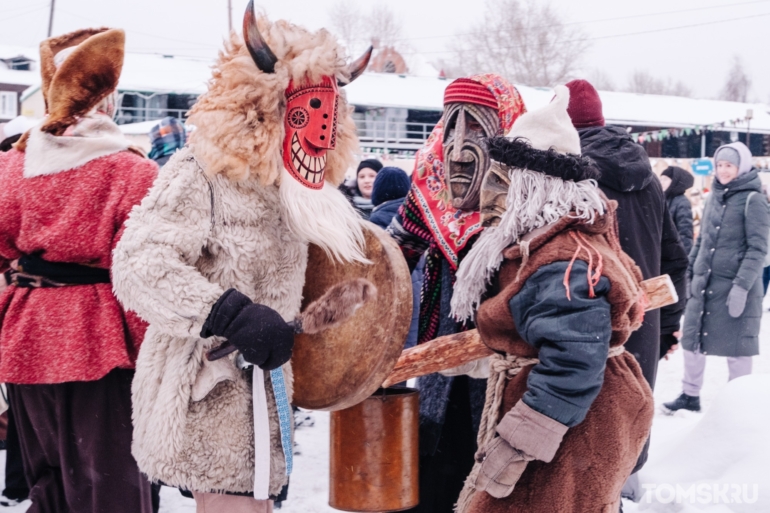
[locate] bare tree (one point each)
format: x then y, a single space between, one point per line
738 84
357 30
346 21
601 80
644 82
385 26
526 41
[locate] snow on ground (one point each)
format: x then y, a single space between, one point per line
724 446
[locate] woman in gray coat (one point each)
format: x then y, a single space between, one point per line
725 308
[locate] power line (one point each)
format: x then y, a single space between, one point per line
602 20
39 8
202 45
653 31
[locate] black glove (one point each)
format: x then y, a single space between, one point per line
666 343
258 331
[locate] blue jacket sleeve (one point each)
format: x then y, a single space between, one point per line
573 337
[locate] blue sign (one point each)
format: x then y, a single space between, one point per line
702 167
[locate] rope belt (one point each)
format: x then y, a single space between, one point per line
501 369
31 271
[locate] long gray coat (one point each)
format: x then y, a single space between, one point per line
730 249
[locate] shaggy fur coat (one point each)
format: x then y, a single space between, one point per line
597 455
193 237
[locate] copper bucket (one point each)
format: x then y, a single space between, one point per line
374 454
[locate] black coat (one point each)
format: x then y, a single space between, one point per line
646 234
678 205
730 250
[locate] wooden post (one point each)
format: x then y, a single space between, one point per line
451 351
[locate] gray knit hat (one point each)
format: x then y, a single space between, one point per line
728 155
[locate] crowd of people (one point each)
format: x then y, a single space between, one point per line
121 272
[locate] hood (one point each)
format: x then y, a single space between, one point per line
681 180
624 165
743 152
748 182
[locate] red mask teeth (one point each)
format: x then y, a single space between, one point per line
311 130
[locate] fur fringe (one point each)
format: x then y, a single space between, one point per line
337 305
324 218
518 153
534 200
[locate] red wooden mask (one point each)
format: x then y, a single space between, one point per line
311 130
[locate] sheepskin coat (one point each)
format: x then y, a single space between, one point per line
597 455
193 237
68 211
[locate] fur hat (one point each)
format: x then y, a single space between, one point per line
544 140
85 77
585 106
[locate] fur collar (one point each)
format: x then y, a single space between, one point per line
539 237
93 137
519 154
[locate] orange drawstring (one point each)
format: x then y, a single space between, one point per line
593 275
593 280
571 262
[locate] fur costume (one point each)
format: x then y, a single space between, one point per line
225 214
567 410
429 224
67 346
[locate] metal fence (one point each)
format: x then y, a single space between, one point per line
128 115
392 136
379 135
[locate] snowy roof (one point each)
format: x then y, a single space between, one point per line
11 51
141 72
164 74
159 74
625 109
24 78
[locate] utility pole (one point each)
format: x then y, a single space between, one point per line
50 19
230 15
749 116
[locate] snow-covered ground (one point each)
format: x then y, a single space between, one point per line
720 455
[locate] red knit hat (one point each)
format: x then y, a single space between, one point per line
585 106
465 90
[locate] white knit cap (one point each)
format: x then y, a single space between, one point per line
549 127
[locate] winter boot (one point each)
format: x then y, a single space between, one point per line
683 402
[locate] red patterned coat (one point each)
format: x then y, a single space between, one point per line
75 333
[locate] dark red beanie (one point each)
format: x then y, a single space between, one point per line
585 106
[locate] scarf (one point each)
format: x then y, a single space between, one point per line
452 228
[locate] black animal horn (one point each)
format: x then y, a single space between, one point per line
263 56
357 67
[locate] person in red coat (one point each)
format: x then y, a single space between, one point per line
67 347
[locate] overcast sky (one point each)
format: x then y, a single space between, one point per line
689 40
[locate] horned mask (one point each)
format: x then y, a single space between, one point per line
311 109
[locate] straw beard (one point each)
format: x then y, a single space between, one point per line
323 217
534 200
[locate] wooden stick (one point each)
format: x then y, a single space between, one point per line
452 351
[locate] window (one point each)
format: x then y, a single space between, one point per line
9 104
